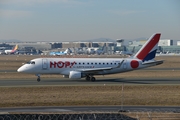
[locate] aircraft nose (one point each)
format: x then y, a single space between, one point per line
20 69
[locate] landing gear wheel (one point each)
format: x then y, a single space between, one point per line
87 78
38 79
93 79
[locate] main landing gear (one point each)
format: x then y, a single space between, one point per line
90 78
38 78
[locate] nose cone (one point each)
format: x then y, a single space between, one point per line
20 69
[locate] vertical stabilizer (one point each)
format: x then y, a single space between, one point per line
16 47
148 50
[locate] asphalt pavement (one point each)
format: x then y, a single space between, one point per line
83 82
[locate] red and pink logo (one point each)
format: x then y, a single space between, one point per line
134 64
61 64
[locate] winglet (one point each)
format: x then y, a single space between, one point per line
148 50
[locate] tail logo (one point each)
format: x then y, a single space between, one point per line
148 51
134 64
15 48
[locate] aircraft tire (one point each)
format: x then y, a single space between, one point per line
38 79
93 79
87 78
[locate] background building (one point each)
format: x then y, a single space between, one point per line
165 42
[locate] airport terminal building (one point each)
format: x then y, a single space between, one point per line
165 45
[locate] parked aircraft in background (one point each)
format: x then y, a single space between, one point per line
91 51
14 50
126 52
60 53
101 51
2 50
77 68
80 51
95 50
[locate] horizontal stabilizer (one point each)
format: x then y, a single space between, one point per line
153 62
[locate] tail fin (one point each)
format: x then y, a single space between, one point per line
15 48
67 50
148 50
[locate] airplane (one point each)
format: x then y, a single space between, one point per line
101 51
60 53
77 68
97 51
80 50
126 52
14 50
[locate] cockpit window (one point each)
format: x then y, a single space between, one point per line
31 62
28 62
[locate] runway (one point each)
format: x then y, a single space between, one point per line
82 82
116 108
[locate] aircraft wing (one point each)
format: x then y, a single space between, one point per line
91 70
94 69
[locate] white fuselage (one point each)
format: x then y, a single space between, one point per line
8 51
65 65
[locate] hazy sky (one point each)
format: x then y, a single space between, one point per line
61 20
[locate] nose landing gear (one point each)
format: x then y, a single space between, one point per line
38 78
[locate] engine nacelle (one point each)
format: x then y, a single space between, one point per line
75 75
65 76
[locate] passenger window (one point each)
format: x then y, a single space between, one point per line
31 62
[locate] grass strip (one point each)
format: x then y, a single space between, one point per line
90 95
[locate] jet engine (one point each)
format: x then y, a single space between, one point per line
75 75
65 76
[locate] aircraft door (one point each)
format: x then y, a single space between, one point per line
125 64
44 64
